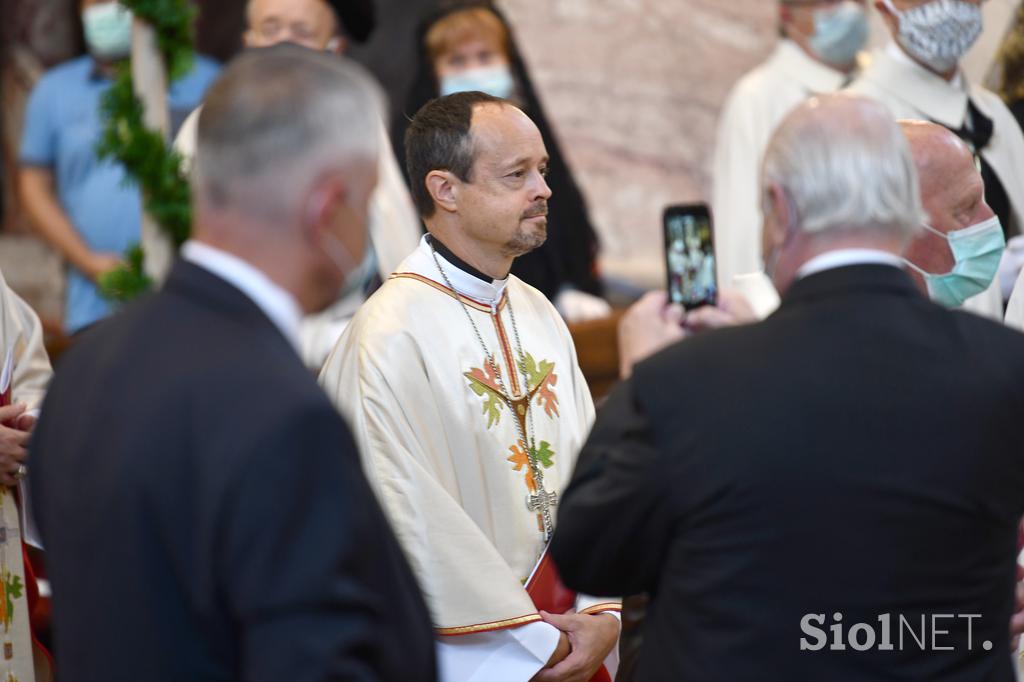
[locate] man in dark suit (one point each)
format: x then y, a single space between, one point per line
830 494
203 506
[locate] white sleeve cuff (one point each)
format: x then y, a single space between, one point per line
510 655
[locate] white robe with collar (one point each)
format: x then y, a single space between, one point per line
910 91
754 109
441 449
22 334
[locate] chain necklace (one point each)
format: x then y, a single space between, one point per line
543 500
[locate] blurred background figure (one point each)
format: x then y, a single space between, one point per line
468 45
79 204
821 41
919 75
394 226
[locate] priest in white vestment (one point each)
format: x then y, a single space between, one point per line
25 372
816 55
21 337
462 386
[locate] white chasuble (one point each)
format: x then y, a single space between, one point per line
439 409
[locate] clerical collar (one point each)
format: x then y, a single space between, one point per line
449 256
478 287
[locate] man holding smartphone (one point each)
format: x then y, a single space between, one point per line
812 454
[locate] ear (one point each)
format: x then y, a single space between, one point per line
891 20
322 205
785 13
337 45
442 188
778 216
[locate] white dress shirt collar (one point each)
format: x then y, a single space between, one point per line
842 258
277 304
815 77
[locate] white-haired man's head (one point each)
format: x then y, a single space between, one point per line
286 161
838 173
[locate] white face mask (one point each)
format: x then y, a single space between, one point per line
108 30
939 33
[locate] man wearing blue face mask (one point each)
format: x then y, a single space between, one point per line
80 204
956 257
818 54
918 76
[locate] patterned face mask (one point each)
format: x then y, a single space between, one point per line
938 33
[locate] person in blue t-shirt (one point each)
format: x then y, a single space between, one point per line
81 205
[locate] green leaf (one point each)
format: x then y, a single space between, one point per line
148 160
128 281
544 454
14 587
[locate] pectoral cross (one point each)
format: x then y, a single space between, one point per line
542 502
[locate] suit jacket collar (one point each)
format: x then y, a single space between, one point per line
851 279
201 286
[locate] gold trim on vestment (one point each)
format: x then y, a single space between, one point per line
604 607
488 627
472 303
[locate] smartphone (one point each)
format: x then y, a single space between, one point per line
690 255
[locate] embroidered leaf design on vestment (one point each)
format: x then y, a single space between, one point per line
545 455
521 462
484 382
542 380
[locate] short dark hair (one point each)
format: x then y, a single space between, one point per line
439 138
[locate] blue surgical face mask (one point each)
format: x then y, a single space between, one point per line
840 33
496 81
108 30
977 251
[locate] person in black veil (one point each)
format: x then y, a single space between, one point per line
468 45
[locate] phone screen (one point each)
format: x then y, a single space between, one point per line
690 256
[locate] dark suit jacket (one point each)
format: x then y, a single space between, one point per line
859 452
204 510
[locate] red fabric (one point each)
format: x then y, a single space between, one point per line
550 594
547 590
32 595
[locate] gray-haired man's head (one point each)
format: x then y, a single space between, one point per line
286 160
838 171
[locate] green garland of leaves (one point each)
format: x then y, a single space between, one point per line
147 158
